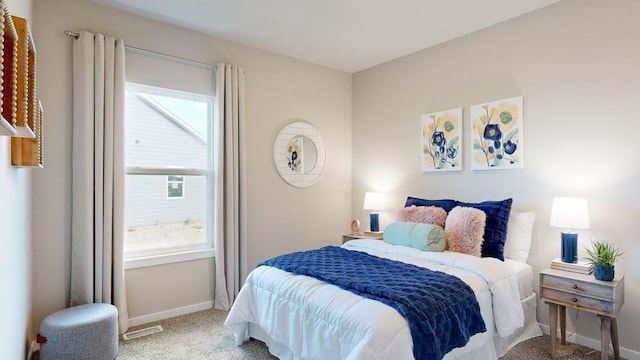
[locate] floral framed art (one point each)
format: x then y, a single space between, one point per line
496 135
295 155
441 139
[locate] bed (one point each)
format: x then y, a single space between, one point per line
301 317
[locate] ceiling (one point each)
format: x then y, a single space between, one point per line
347 35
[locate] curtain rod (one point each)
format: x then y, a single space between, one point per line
156 54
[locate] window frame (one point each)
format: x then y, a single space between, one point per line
180 182
142 258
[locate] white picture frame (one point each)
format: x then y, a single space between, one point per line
441 145
496 135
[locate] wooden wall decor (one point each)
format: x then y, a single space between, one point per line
25 50
21 114
39 133
27 144
8 73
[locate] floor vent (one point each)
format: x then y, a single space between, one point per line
142 332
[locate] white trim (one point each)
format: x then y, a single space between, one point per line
145 319
594 344
32 349
154 260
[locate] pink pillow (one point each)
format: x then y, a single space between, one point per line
464 230
423 214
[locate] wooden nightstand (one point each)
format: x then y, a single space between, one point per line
560 289
348 237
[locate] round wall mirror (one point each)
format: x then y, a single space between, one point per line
300 154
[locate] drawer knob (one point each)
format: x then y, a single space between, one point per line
574 286
574 300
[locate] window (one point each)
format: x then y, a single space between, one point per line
175 187
168 142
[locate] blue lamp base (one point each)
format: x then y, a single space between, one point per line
373 222
569 247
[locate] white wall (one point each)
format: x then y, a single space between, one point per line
576 64
15 239
278 90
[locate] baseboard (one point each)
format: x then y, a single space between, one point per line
594 344
32 349
145 319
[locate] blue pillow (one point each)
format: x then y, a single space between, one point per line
424 237
495 231
446 204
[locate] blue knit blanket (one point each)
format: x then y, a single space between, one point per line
442 310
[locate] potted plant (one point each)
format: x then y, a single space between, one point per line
603 254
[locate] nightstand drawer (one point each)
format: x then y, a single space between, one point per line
577 287
579 301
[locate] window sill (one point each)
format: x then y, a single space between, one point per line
156 260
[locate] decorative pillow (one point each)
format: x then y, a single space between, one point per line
519 235
425 237
446 204
495 232
423 214
464 229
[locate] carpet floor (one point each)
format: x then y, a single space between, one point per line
203 336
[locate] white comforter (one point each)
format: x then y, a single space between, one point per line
300 317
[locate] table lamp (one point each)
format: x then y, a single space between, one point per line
374 202
569 213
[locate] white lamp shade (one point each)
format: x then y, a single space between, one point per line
373 201
569 213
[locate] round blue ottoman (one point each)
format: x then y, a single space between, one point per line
80 332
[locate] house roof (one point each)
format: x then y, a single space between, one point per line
187 119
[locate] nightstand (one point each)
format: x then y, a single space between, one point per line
348 237
560 289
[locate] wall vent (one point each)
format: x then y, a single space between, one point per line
142 332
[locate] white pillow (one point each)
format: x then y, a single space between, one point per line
518 242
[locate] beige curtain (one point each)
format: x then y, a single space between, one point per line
97 220
231 230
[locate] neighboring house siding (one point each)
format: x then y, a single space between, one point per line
150 132
155 134
147 202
